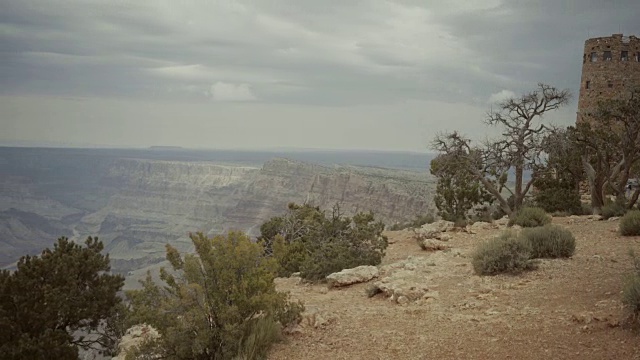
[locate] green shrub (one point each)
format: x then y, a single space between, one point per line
289 256
630 223
531 217
585 209
334 256
614 209
558 197
631 297
631 291
308 241
219 303
550 241
506 253
256 343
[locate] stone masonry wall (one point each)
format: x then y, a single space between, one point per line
610 67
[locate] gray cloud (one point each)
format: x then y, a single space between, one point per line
308 53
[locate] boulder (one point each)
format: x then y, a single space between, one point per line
438 226
434 230
356 275
481 225
401 289
433 245
427 234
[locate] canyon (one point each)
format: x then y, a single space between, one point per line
136 201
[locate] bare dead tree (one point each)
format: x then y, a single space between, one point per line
519 148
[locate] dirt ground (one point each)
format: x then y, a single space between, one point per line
566 309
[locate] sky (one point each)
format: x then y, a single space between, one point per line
257 74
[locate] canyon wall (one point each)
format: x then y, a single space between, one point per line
136 206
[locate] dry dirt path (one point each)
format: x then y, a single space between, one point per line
567 309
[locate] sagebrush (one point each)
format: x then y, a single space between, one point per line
531 217
550 241
631 292
614 209
506 253
630 223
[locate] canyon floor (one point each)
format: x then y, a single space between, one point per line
566 309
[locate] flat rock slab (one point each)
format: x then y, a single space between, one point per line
356 275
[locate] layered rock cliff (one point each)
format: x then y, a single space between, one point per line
136 206
394 195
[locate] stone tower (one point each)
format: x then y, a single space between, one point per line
610 67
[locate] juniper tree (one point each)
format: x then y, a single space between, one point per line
518 149
51 298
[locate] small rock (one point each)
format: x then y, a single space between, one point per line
583 318
431 295
402 300
613 323
293 330
613 218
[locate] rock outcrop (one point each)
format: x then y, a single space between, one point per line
432 237
415 278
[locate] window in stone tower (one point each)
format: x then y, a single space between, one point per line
624 56
594 57
607 56
610 84
587 84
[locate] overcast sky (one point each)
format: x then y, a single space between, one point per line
346 74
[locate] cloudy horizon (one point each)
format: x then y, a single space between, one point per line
370 74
